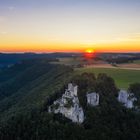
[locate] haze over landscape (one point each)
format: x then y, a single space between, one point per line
69 25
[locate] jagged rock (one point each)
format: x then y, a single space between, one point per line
93 99
73 89
126 98
68 105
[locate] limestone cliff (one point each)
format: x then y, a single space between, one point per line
69 105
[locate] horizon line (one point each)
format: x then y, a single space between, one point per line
35 52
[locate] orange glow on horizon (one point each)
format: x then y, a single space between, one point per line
15 43
70 47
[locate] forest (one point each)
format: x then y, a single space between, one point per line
28 88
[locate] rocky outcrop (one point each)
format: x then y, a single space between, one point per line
126 98
93 99
69 105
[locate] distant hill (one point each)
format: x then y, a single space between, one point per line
8 59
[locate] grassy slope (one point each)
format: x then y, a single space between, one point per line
33 94
122 77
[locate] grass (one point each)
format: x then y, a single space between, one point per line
123 77
136 62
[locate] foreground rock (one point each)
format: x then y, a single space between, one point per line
69 105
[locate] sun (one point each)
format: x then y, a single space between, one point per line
89 51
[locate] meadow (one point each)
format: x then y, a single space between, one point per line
136 62
123 77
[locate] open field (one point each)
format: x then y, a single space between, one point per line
123 74
98 64
129 66
137 62
122 77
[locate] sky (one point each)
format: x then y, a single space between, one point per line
69 25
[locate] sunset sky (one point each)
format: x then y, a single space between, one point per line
69 25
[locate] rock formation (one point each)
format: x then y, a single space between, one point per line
126 98
69 105
93 99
